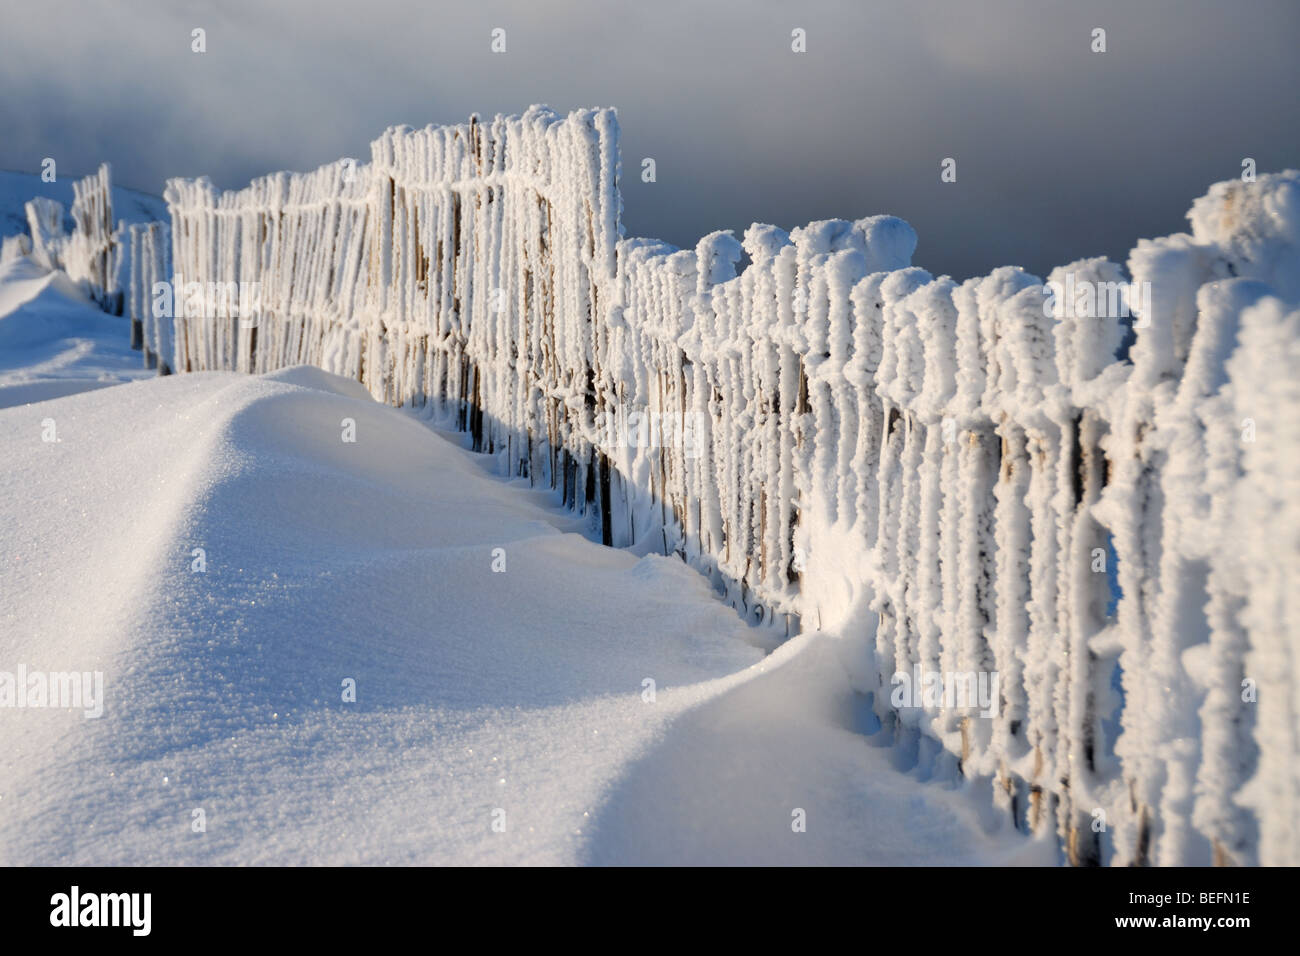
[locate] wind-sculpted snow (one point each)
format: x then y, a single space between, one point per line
1083 487
54 340
522 695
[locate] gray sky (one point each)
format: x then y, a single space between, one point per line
1061 152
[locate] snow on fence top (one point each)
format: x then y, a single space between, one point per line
1082 488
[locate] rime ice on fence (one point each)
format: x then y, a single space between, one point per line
91 253
151 320
15 247
45 223
1265 394
834 436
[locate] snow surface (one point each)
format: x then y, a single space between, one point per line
476 690
54 341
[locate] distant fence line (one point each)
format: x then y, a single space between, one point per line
94 252
1101 511
91 253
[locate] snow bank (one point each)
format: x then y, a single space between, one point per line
522 695
323 561
54 340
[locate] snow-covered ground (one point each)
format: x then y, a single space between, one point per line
483 697
54 341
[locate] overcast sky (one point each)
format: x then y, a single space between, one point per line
1061 152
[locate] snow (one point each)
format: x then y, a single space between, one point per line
1089 496
54 341
476 690
741 760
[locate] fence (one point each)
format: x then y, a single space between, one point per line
151 329
45 222
94 253
972 478
91 253
15 247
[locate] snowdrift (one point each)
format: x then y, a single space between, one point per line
230 565
54 341
213 548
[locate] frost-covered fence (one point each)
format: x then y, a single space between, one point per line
976 480
45 223
463 265
151 328
15 247
1021 500
740 361
91 254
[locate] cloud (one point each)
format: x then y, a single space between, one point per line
1061 152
